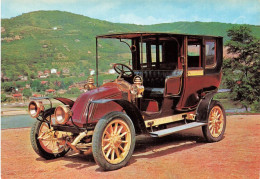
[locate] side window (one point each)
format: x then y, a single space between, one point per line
144 62
210 54
153 53
194 56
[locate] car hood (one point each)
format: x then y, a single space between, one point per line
79 109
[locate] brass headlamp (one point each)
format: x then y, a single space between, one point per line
137 87
62 114
35 108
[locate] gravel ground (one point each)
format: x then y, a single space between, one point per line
181 155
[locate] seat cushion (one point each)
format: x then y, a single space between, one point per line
154 78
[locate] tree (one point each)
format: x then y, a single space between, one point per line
27 93
242 71
36 85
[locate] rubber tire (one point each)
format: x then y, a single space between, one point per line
37 146
205 129
97 141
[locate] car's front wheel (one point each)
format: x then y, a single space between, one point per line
113 141
45 142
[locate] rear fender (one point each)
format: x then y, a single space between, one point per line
202 111
131 110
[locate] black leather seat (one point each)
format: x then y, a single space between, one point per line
154 81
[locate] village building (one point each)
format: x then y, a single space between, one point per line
36 95
18 96
79 85
27 86
53 71
44 82
61 91
66 71
23 78
47 72
50 91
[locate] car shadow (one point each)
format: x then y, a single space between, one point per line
73 160
146 147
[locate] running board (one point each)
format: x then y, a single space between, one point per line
169 131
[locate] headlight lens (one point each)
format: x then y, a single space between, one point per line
62 114
34 108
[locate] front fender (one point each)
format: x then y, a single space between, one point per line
131 110
203 107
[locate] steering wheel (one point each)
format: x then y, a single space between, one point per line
123 70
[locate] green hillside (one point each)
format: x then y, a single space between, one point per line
54 39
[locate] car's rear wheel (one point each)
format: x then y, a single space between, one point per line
113 141
45 142
215 129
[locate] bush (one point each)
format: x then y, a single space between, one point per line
27 93
3 98
74 91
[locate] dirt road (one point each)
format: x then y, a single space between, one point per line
181 155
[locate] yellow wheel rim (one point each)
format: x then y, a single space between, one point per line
216 121
49 140
116 141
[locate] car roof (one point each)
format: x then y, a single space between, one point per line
133 35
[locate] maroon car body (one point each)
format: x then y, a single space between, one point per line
169 88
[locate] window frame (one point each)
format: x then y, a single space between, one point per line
215 54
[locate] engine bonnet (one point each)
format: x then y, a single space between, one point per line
80 106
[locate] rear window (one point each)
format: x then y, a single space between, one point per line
210 54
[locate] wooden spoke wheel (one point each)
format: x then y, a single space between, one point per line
215 129
216 121
113 141
49 139
45 142
116 141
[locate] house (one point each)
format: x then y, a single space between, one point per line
91 71
111 71
47 72
18 96
81 74
36 95
43 76
50 91
61 91
44 82
57 83
80 85
27 86
2 29
53 71
40 73
4 78
65 71
23 78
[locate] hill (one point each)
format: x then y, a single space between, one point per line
53 39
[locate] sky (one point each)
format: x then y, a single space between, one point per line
145 12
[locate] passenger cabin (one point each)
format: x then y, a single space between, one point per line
177 69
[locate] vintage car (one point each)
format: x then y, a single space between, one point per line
168 88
